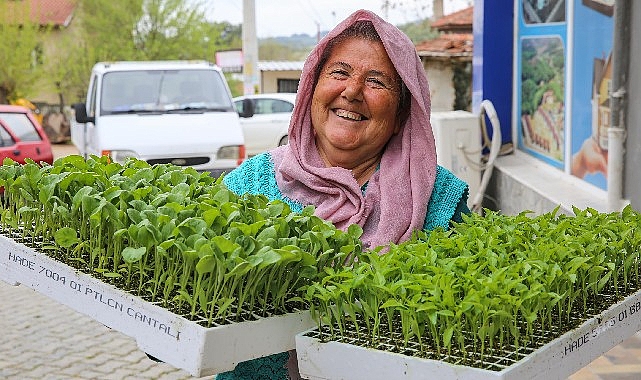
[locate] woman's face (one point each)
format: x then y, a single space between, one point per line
354 105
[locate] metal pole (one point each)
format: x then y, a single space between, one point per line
616 132
250 49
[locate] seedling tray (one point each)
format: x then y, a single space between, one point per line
558 359
160 333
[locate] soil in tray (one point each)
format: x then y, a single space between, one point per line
494 358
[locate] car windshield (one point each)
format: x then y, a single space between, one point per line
163 91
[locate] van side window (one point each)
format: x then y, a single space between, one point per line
92 97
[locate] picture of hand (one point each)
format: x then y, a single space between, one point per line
591 158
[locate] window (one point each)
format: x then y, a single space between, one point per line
159 90
21 126
287 85
267 106
5 138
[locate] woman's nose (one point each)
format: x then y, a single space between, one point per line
353 90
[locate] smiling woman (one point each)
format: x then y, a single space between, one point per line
361 150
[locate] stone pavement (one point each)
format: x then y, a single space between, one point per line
42 339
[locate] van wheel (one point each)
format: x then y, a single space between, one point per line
283 141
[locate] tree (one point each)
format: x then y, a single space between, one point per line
20 51
271 49
113 30
419 31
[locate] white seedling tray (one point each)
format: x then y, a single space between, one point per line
168 337
558 359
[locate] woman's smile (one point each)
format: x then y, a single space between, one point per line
349 115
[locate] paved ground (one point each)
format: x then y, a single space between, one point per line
42 339
61 150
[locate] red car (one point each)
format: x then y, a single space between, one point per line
21 136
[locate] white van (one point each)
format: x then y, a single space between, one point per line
177 112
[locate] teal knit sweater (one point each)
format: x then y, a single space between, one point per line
448 201
257 176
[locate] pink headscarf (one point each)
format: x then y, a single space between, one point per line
397 195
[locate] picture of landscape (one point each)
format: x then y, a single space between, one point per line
542 96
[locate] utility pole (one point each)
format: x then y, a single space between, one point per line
250 49
437 9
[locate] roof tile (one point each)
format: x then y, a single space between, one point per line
448 43
455 21
44 12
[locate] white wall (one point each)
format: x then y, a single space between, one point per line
439 76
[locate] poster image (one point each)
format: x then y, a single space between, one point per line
541 57
604 6
591 87
542 96
563 76
543 11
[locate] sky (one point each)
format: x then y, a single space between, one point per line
278 18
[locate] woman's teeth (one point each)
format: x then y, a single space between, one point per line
349 115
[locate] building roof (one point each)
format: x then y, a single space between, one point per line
457 22
57 13
280 65
447 45
455 41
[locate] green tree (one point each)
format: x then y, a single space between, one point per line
419 31
224 36
20 51
114 30
69 70
270 49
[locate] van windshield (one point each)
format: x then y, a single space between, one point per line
163 91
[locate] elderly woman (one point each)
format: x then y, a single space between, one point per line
361 149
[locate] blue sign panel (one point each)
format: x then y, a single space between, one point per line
562 86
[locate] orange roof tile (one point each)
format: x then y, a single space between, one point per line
451 44
44 12
461 20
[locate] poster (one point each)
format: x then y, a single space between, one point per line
592 75
564 69
542 76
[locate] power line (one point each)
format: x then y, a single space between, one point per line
318 19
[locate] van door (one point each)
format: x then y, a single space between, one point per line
81 132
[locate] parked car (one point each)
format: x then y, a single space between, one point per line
161 112
22 137
265 125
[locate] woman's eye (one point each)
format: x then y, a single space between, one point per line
376 82
338 73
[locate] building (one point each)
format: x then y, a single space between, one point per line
279 76
56 16
447 60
